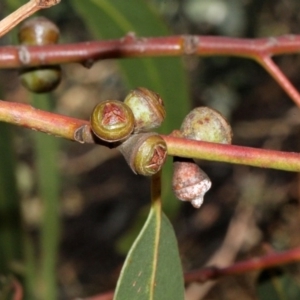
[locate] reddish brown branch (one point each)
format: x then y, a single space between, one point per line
131 46
24 12
233 154
18 290
106 296
281 79
29 117
79 130
211 273
255 264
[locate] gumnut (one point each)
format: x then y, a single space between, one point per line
190 182
112 121
147 107
39 31
145 153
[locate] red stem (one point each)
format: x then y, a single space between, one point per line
29 117
211 273
79 130
281 79
131 46
233 154
255 264
106 296
18 290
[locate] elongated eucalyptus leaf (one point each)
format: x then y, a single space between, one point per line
114 19
10 217
276 285
47 148
152 269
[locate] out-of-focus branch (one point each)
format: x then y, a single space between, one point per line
269 65
18 290
24 12
211 273
254 264
131 46
260 50
79 130
238 229
106 296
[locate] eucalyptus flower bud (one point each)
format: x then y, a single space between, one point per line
145 153
206 124
39 31
190 182
147 107
112 121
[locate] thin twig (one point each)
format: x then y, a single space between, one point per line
151 47
254 264
281 79
242 267
260 50
105 296
24 12
79 130
18 290
288 161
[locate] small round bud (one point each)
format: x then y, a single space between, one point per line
41 80
189 183
38 31
147 107
206 124
145 153
112 121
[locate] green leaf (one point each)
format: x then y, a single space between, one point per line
12 5
11 249
152 269
276 285
166 76
10 216
47 148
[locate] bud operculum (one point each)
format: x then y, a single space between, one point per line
145 153
206 124
38 31
112 121
147 107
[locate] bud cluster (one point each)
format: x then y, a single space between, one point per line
127 124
